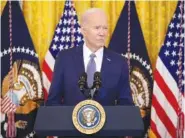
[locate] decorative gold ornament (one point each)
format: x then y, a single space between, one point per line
88 117
27 88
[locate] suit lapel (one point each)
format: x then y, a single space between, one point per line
78 59
105 64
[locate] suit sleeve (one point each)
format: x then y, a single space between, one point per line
56 91
124 92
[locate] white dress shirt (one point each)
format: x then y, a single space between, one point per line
98 59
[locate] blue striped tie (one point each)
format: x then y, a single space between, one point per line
91 69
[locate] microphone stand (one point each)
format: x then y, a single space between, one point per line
90 93
96 85
87 93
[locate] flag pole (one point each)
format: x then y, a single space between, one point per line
128 45
180 126
128 39
72 25
11 129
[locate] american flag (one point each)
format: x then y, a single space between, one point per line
7 106
167 115
67 35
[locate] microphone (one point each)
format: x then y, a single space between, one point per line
97 80
82 83
96 85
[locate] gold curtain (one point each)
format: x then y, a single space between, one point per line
43 16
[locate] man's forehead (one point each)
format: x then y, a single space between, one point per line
93 14
94 11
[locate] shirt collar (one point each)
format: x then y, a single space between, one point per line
88 52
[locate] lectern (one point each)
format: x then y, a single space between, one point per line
120 121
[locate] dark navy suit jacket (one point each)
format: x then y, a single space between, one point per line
69 67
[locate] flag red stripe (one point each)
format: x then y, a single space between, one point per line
9 109
45 94
154 129
5 107
5 104
6 100
166 91
163 117
47 71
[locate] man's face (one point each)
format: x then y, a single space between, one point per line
95 30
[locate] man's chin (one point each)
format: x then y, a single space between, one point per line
100 45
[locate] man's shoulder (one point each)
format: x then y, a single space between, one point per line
67 52
115 56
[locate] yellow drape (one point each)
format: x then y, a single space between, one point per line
43 16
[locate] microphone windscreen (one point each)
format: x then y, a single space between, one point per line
97 75
84 75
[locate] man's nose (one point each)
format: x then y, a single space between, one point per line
102 32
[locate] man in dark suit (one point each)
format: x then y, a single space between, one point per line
92 56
